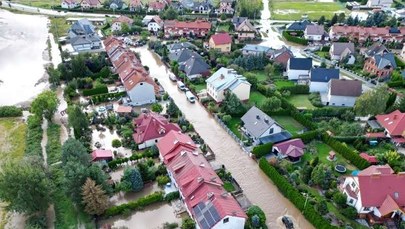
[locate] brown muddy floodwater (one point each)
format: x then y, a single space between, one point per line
257 187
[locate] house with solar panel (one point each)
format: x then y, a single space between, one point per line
83 37
200 188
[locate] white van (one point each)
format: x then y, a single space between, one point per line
172 77
190 97
181 85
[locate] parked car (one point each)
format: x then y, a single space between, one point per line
172 77
181 86
190 97
288 223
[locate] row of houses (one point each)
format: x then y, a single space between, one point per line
140 87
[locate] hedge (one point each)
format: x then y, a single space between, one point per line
330 112
138 204
307 137
107 97
172 196
134 157
295 196
296 89
34 136
349 139
346 152
297 40
95 91
10 111
261 150
398 83
54 146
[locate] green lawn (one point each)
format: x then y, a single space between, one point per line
223 27
283 83
321 54
300 101
233 125
199 87
288 123
12 138
295 9
59 27
260 75
39 3
228 186
256 98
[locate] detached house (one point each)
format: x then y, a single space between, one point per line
135 5
225 7
292 149
377 193
320 77
88 4
221 42
342 50
117 23
314 32
380 65
150 127
375 49
156 6
250 49
83 37
282 56
200 188
245 30
198 28
380 3
262 129
202 7
394 125
155 24
69 4
299 25
190 62
298 68
342 92
226 79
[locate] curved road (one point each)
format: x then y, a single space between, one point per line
257 187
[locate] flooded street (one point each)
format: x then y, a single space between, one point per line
22 44
258 188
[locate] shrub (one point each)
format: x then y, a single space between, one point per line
296 89
261 150
116 143
162 180
297 40
10 111
398 83
95 91
350 212
34 136
256 211
53 146
339 199
172 196
308 136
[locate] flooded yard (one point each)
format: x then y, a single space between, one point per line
122 197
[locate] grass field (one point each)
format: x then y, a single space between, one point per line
283 83
300 101
223 27
294 10
256 98
59 27
288 123
39 3
260 75
233 125
12 138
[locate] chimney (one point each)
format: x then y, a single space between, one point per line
222 77
395 117
210 195
200 179
257 117
202 165
266 120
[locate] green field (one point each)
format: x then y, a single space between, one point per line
295 9
260 75
283 83
256 98
223 28
12 138
300 101
233 125
39 3
288 123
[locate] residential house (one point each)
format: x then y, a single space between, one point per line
225 7
399 14
101 155
261 128
221 42
90 4
292 149
201 7
394 125
69 4
339 51
377 193
236 21
150 127
178 46
182 55
245 30
314 32
147 19
190 63
198 28
200 188
342 92
118 22
379 3
298 68
156 6
369 158
83 37
320 77
299 25
250 49
362 34
227 80
282 56
135 5
117 4
155 24
375 49
380 65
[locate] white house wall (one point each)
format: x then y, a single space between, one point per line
341 101
294 74
242 91
276 129
318 87
143 93
148 143
233 223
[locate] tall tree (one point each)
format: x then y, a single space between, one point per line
79 68
73 150
78 120
45 105
271 104
372 102
24 186
232 105
94 198
321 20
131 180
401 105
333 20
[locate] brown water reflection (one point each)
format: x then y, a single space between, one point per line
258 188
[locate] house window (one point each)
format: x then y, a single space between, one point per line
271 130
353 185
366 209
351 201
226 220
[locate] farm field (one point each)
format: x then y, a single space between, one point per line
293 10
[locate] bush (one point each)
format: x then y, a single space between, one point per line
291 193
138 204
398 83
256 211
296 89
53 146
350 212
95 91
172 196
116 143
10 111
34 136
107 97
261 150
162 180
308 136
297 40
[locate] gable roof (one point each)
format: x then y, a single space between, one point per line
343 87
226 78
100 154
299 25
385 60
376 48
323 74
315 30
221 39
172 140
236 21
339 47
194 66
292 148
257 122
82 27
300 63
181 45
369 158
256 48
247 24
92 2
123 19
183 55
394 122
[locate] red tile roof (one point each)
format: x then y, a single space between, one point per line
369 158
394 122
123 19
100 154
221 39
198 24
376 182
388 206
157 5
150 126
124 109
292 148
173 143
376 135
92 2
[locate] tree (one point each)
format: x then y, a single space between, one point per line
271 104
256 211
169 14
340 199
73 150
372 102
306 173
401 105
392 158
341 18
116 143
321 207
131 180
172 109
350 212
24 186
232 105
226 118
156 107
252 79
78 120
45 105
125 28
187 223
54 75
94 198
321 20
322 176
78 66
333 20
351 129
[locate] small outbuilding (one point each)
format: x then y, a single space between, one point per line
101 155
